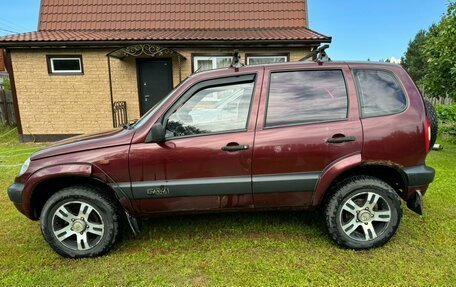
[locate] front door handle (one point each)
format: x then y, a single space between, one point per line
235 147
342 139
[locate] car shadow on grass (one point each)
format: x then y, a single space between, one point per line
263 226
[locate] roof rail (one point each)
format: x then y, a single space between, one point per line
318 55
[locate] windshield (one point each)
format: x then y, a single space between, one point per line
152 111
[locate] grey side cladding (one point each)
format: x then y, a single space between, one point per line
193 187
219 186
295 182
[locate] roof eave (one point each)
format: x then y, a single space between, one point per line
174 43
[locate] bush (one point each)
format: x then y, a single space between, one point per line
7 84
446 113
447 121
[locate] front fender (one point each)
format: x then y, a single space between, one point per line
331 172
51 172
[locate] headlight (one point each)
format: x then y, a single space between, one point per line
24 167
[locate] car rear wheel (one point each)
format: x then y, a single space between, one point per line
80 222
363 212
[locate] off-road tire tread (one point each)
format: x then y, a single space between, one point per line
433 117
338 193
86 192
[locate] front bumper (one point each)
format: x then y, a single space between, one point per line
15 195
15 192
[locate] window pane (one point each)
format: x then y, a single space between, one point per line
215 109
380 93
223 62
258 60
306 96
203 65
73 65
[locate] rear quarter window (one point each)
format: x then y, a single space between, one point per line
379 92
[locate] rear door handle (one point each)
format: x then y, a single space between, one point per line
336 140
233 148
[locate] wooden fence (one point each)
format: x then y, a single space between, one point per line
7 108
440 101
120 114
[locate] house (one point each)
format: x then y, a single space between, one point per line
94 64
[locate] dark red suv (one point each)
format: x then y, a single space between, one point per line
350 137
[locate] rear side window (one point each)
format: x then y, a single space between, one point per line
380 93
301 97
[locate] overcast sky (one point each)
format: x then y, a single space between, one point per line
360 29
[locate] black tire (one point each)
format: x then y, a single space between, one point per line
89 218
433 117
368 228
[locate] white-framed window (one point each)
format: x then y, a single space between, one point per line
202 63
266 59
65 64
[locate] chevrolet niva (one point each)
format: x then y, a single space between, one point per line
349 137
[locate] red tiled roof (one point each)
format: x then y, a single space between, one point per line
170 20
171 14
297 34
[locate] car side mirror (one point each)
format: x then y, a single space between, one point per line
158 133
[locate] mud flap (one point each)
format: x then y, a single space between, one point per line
133 222
415 203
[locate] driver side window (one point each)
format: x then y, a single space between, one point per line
213 109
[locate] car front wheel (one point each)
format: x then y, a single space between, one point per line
80 222
363 212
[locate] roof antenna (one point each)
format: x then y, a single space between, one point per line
236 62
318 55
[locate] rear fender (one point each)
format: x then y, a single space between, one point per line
331 172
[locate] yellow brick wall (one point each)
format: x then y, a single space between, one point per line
74 104
125 84
62 104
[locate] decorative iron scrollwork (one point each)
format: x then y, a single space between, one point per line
147 50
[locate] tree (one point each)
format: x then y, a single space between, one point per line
440 51
415 60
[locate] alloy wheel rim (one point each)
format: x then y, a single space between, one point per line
78 225
365 216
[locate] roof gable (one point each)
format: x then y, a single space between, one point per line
58 15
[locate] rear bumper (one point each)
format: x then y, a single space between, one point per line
418 179
419 175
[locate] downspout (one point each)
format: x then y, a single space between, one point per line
180 67
110 90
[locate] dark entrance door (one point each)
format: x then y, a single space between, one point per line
155 81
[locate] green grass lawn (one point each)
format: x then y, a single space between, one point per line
248 249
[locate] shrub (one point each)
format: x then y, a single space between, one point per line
7 84
446 113
447 121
